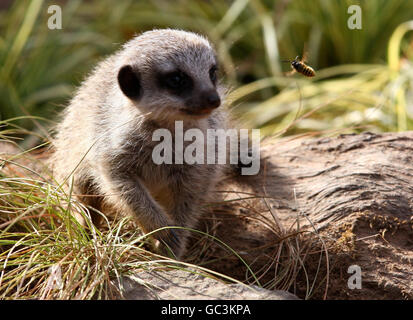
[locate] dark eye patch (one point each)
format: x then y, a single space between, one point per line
177 82
213 74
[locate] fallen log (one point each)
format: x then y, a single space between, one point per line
318 207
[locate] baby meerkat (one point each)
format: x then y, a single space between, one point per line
105 137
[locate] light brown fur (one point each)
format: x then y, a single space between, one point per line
107 136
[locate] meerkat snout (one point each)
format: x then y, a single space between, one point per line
202 103
204 100
212 100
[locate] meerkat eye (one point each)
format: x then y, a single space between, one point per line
213 74
175 80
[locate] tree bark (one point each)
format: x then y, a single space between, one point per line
332 203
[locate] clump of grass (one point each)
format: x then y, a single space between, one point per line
293 258
45 253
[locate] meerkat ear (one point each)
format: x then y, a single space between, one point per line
129 82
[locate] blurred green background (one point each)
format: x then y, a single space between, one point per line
364 77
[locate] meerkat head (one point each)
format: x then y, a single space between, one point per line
170 73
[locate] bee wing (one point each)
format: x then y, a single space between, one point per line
305 54
290 73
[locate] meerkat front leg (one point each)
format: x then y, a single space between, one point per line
189 205
126 191
186 213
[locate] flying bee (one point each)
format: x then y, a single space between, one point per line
300 67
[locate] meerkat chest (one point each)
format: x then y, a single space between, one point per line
167 159
166 182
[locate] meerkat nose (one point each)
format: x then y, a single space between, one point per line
212 100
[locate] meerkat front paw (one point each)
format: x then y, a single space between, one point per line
169 242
